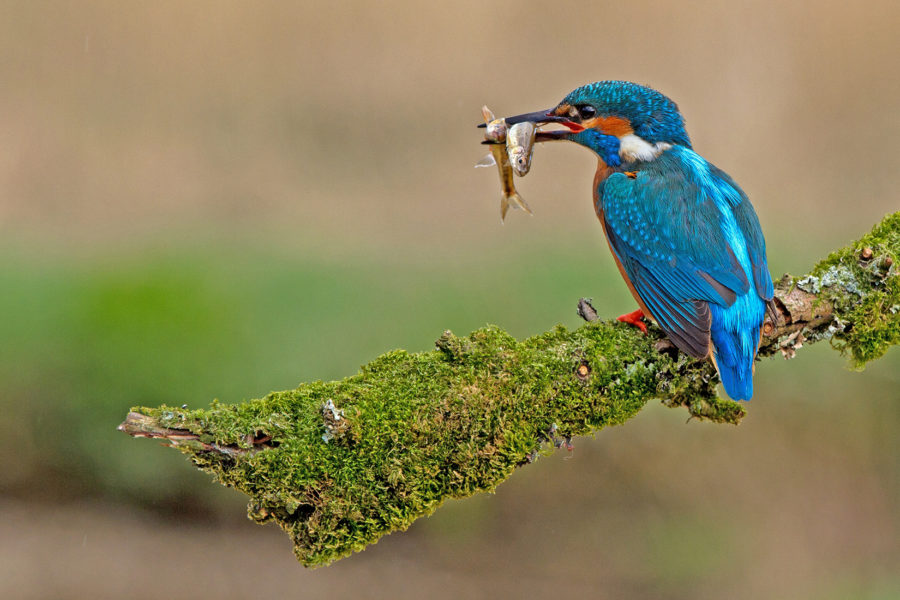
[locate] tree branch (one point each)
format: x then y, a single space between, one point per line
339 464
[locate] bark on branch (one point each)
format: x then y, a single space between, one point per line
339 464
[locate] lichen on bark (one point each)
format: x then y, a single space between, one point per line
339 464
860 283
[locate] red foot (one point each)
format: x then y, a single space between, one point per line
634 318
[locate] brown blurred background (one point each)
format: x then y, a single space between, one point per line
217 199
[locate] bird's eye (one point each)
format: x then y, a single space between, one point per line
587 112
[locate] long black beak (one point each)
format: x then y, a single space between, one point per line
540 117
552 136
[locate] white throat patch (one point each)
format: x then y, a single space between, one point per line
633 147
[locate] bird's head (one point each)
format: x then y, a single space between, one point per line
619 120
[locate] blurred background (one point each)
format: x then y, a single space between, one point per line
207 200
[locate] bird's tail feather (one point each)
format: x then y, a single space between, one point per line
734 352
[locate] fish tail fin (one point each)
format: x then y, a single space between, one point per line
516 200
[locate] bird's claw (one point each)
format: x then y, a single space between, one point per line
634 318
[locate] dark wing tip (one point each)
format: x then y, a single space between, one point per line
686 323
692 337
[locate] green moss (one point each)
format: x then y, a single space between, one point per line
351 460
865 293
339 464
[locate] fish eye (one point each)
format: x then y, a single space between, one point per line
587 111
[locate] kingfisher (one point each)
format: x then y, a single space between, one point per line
683 234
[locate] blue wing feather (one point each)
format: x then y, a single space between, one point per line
748 223
668 229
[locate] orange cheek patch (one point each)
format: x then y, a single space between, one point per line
616 126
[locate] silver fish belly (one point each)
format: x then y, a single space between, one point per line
520 146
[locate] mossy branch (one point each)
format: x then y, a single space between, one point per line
339 464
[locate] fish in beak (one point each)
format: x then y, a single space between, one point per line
546 117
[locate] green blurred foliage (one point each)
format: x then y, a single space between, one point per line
84 340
